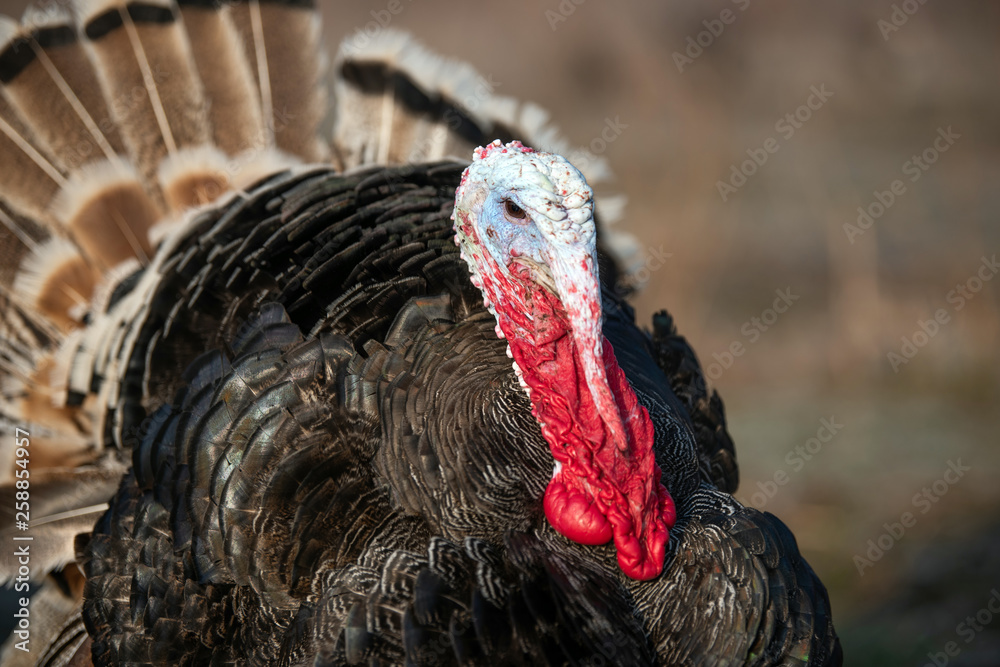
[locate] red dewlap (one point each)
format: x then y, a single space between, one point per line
605 489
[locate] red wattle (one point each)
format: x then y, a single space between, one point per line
608 485
603 490
575 515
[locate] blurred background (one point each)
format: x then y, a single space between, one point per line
815 189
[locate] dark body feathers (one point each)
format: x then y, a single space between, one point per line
348 472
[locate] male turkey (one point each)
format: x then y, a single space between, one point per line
380 411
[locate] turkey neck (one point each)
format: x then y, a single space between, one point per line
606 483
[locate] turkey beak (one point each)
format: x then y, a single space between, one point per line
575 274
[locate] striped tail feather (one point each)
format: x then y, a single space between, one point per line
398 102
31 178
50 80
281 40
119 120
147 70
235 113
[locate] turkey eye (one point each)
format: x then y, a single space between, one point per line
513 210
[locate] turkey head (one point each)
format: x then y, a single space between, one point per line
524 221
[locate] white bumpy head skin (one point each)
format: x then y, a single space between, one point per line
552 216
517 205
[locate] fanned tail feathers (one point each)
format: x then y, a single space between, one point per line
399 103
117 120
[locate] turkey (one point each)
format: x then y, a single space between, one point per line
280 395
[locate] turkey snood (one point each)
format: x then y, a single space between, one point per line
524 222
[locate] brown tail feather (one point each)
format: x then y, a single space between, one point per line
397 102
50 80
31 176
282 42
235 112
146 68
48 77
18 237
57 282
